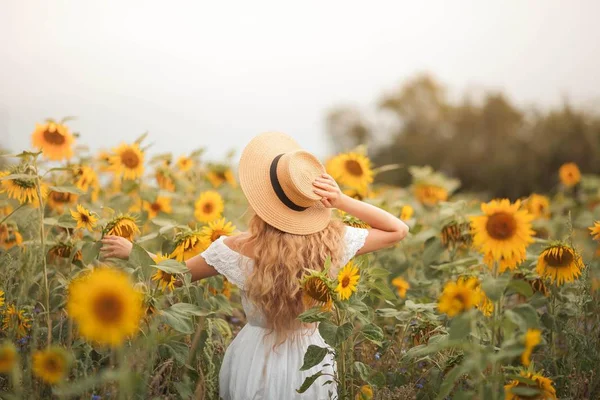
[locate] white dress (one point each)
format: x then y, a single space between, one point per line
251 369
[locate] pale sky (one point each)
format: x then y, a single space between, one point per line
215 73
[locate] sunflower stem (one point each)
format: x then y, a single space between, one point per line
38 188
11 213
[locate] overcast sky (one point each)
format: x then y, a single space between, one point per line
215 73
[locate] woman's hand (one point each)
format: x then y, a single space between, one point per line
328 189
115 246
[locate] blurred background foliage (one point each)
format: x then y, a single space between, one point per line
493 146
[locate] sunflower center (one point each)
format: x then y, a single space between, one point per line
155 207
207 208
108 308
61 197
354 168
166 277
130 159
54 138
501 226
216 234
84 218
52 364
316 289
345 281
25 183
559 259
462 298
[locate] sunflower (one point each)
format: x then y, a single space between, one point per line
595 230
406 213
530 380
189 244
164 179
164 279
359 194
532 338
17 320
351 169
8 357
430 195
105 305
128 161
57 200
105 160
351 220
123 225
85 178
22 189
9 237
226 291
63 250
569 174
538 206
162 204
219 175
347 281
209 206
365 393
51 365
54 140
185 163
456 234
84 218
401 285
485 305
560 263
316 290
218 228
505 263
459 296
503 230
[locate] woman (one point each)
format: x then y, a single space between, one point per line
292 229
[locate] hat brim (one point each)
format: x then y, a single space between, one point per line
254 167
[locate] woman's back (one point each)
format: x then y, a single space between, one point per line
258 364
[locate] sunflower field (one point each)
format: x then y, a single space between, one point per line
485 299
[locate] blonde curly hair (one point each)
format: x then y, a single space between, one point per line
279 262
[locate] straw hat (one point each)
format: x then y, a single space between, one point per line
277 177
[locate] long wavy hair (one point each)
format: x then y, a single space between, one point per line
279 261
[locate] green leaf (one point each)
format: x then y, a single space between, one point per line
90 251
460 326
524 391
450 379
364 371
528 314
433 250
314 314
377 272
308 382
188 309
373 333
334 335
313 356
368 375
522 287
494 287
172 267
140 258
